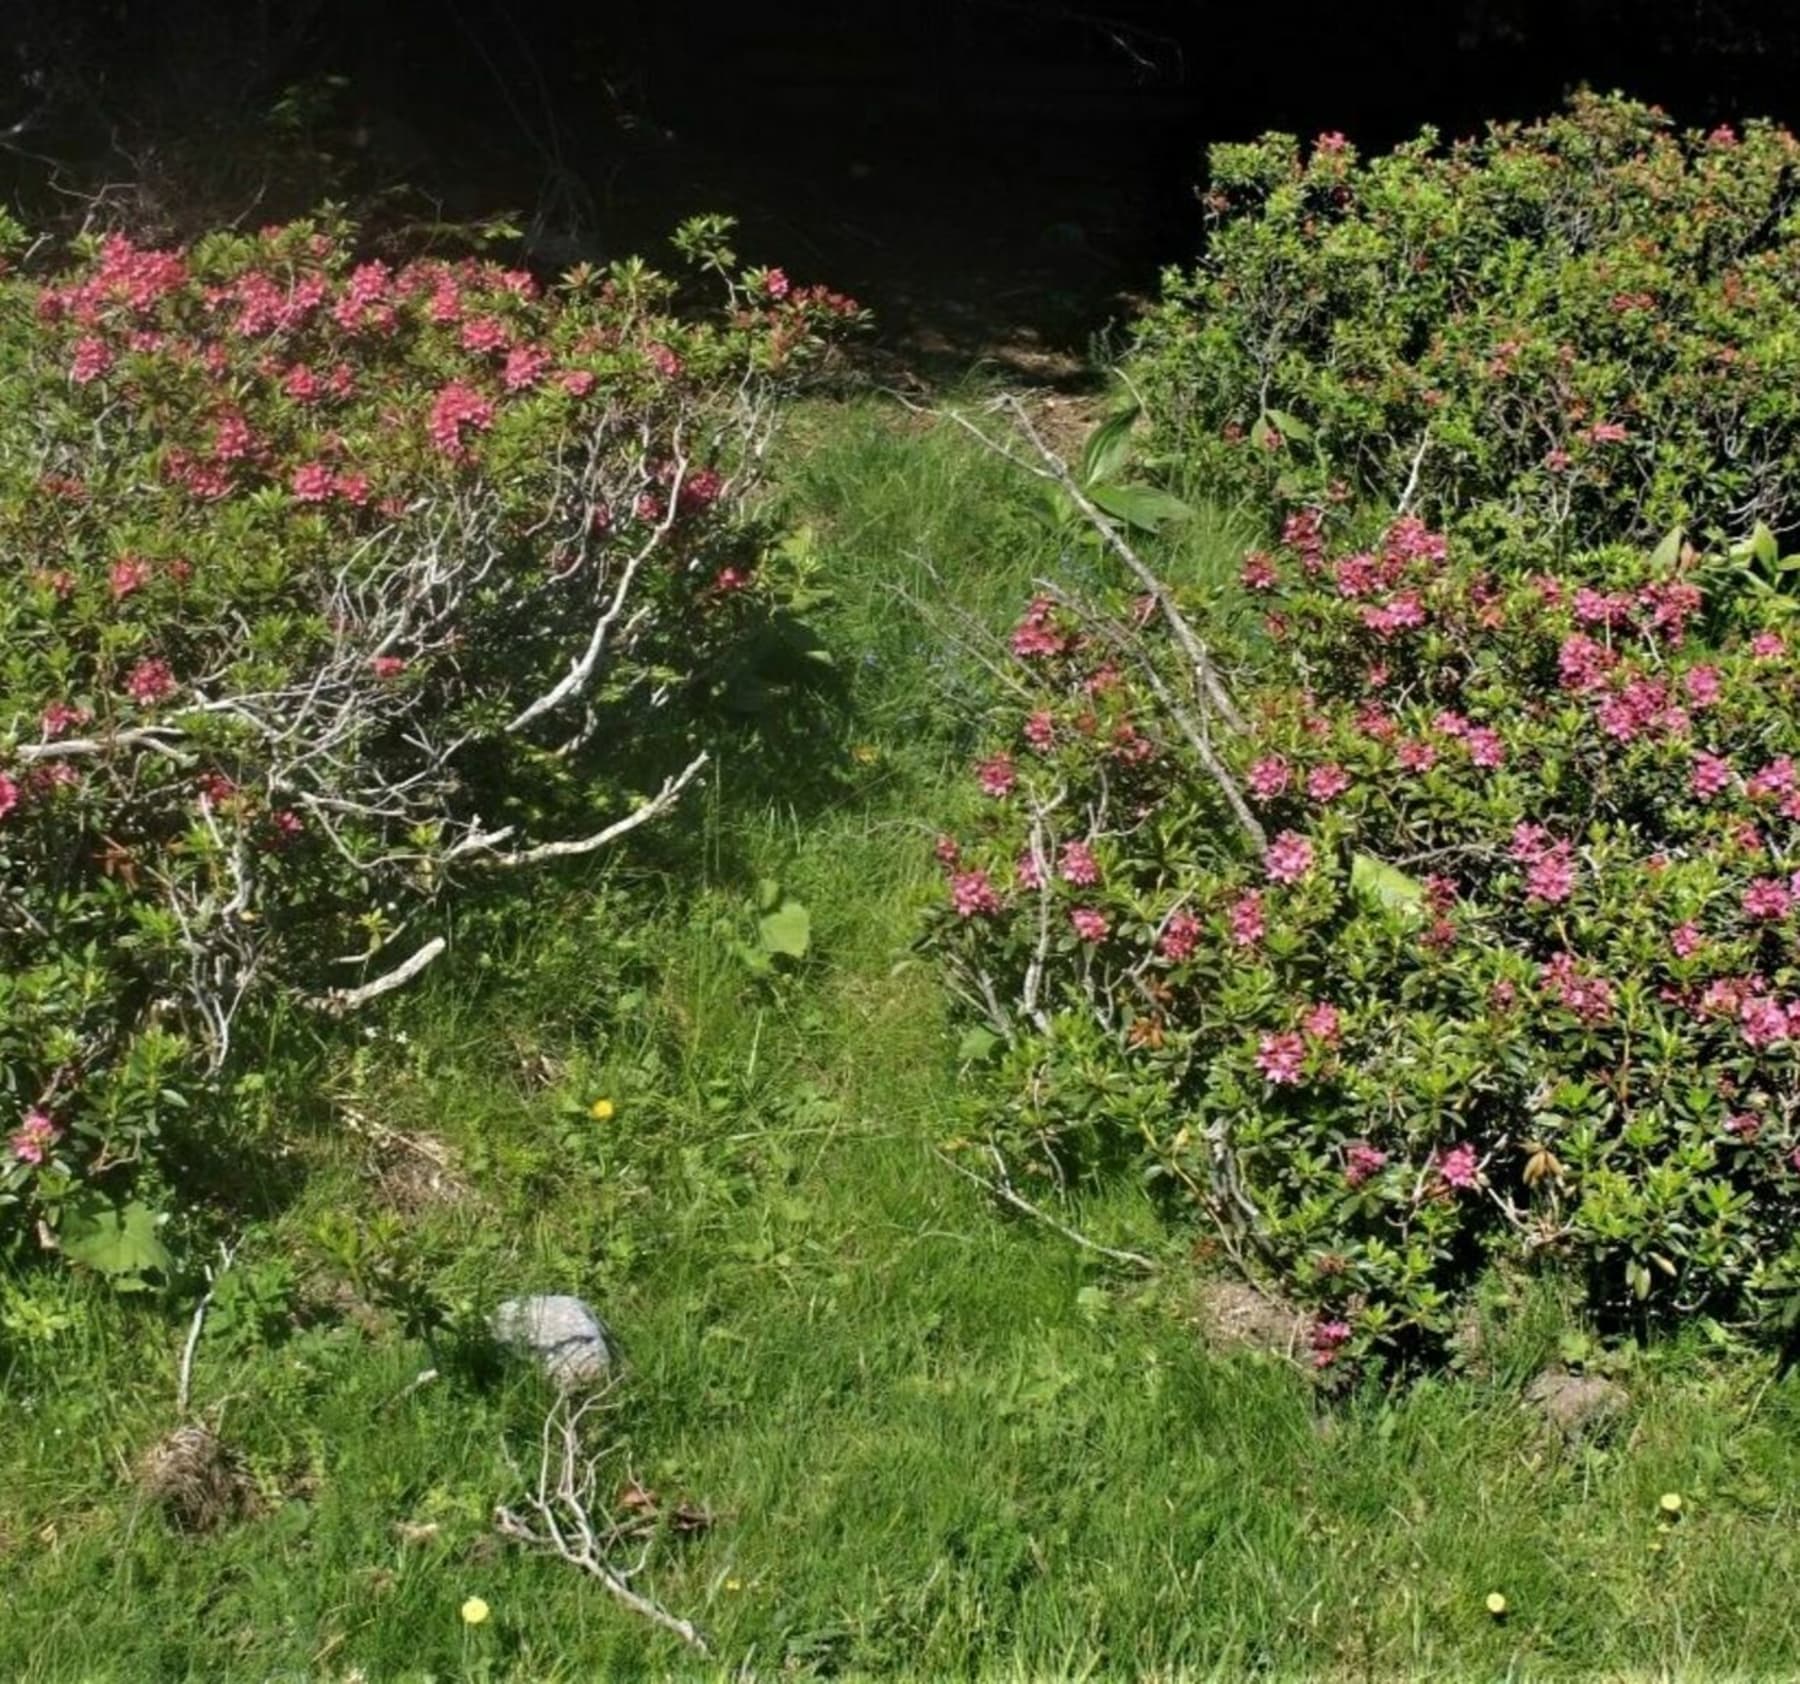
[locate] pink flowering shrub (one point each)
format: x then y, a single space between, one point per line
1512 971
329 586
1577 331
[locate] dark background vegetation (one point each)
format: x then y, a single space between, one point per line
993 175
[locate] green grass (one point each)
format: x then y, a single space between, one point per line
936 1442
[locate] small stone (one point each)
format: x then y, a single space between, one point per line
563 1333
1576 1403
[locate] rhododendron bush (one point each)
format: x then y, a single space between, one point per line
329 585
1499 963
1577 331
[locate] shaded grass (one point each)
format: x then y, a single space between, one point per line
936 1441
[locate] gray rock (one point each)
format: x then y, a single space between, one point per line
564 1334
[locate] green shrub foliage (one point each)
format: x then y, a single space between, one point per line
1510 973
1577 332
327 585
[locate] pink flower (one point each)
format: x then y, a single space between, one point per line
9 795
1030 876
387 666
353 488
577 382
1417 755
1089 924
1326 783
1330 143
1686 940
1589 998
947 850
32 1140
525 365
1268 778
313 482
59 717
1363 1162
1777 778
1551 877
1246 919
1258 572
1763 1021
1290 857
1034 638
973 895
485 333
150 682
1181 935
1323 1023
1457 1166
996 776
1767 645
1529 842
1328 1340
93 358
665 361
1701 685
457 410
1583 663
1281 1057
1767 898
1711 776
1485 747
129 573
1078 865
1607 432
1040 731
776 284
301 384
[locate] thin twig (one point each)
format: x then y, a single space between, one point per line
342 1000
185 1380
561 1517
1001 1188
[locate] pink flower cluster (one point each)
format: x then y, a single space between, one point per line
37 1132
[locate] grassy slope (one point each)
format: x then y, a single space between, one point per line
938 1442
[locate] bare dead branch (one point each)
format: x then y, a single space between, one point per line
562 1516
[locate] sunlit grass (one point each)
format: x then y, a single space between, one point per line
935 1442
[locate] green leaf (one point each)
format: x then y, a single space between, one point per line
119 1242
1668 552
1140 506
976 1045
787 930
1107 447
768 895
1289 426
1385 885
1763 546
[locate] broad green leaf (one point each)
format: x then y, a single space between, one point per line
1140 506
768 895
788 930
976 1045
1385 885
119 1242
1107 447
1289 426
1668 552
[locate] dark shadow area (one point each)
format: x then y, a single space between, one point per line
999 179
